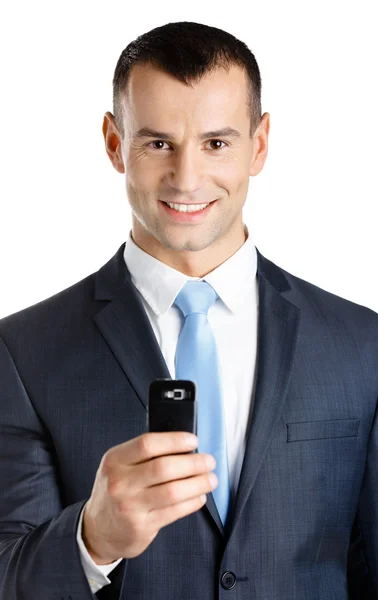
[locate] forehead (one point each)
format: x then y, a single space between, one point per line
152 92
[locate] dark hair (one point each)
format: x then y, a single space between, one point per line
188 51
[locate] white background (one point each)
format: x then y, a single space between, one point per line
313 208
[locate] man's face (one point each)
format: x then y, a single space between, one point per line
184 167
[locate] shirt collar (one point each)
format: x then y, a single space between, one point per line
159 284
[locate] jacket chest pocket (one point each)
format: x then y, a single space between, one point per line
322 430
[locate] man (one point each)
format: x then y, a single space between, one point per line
92 503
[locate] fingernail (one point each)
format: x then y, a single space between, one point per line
210 461
213 479
191 440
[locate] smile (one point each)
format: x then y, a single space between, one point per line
187 207
191 213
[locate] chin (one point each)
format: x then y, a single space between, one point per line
185 242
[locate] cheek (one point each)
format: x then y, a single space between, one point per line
142 177
141 191
234 178
242 186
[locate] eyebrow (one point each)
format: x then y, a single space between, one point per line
224 132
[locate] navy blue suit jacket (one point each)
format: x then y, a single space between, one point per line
74 376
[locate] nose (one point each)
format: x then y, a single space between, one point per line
186 173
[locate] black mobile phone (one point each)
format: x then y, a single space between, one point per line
172 406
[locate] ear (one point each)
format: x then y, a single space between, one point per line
260 145
112 139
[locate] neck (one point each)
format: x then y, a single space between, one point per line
191 264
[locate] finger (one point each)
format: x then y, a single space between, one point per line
152 444
174 492
172 467
159 518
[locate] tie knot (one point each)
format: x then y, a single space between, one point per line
195 297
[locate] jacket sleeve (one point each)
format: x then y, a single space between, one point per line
97 575
363 550
39 554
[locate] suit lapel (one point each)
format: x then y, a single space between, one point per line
126 328
277 335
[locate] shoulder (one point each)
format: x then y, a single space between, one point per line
50 315
323 306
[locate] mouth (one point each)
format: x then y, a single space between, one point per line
186 216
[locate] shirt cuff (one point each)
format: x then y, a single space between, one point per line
96 574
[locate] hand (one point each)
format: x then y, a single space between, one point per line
141 486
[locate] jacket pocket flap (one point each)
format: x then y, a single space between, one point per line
318 430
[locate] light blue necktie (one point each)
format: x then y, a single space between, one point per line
196 360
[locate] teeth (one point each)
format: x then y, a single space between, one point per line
188 207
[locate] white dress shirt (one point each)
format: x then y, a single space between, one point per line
233 319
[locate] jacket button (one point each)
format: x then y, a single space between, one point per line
228 580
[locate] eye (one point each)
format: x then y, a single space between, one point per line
221 142
156 142
162 142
